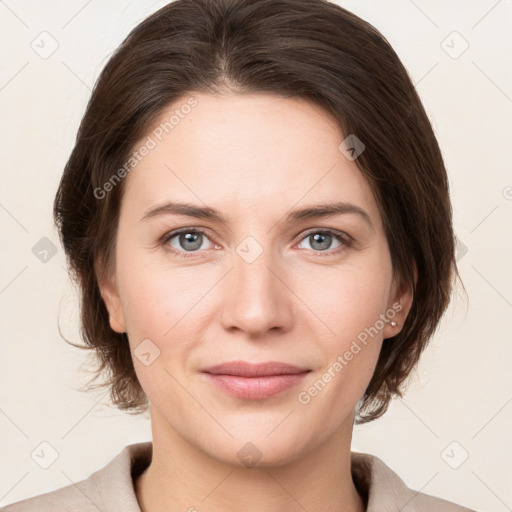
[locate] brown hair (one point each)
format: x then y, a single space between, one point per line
312 49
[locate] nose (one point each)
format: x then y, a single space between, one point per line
257 296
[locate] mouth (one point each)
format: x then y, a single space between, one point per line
254 381
244 369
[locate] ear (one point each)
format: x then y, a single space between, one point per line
400 303
107 283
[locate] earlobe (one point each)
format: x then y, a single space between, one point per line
400 305
110 295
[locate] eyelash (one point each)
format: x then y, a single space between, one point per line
346 241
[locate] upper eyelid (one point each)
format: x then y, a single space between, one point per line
175 232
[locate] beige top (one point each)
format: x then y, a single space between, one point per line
111 488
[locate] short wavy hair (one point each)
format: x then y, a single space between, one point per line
313 49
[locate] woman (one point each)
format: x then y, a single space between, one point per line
257 213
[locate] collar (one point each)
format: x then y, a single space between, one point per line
380 486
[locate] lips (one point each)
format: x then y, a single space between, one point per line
244 369
254 381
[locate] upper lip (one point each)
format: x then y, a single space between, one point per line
244 369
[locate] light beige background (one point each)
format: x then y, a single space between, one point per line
462 391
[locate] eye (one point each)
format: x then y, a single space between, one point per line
322 240
186 240
195 240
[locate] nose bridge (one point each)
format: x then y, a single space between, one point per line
256 299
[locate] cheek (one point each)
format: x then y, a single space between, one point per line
350 305
167 305
349 335
350 299
158 306
155 295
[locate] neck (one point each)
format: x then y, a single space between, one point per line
182 477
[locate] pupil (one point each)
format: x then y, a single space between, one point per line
190 238
321 239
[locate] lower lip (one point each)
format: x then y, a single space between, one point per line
255 388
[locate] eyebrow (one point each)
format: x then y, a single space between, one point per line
297 215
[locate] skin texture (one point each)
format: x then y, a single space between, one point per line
252 157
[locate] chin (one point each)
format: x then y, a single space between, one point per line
256 448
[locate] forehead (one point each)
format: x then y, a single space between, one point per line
244 151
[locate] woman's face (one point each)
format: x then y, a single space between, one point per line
272 281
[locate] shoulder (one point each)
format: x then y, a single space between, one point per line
64 499
385 490
109 488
